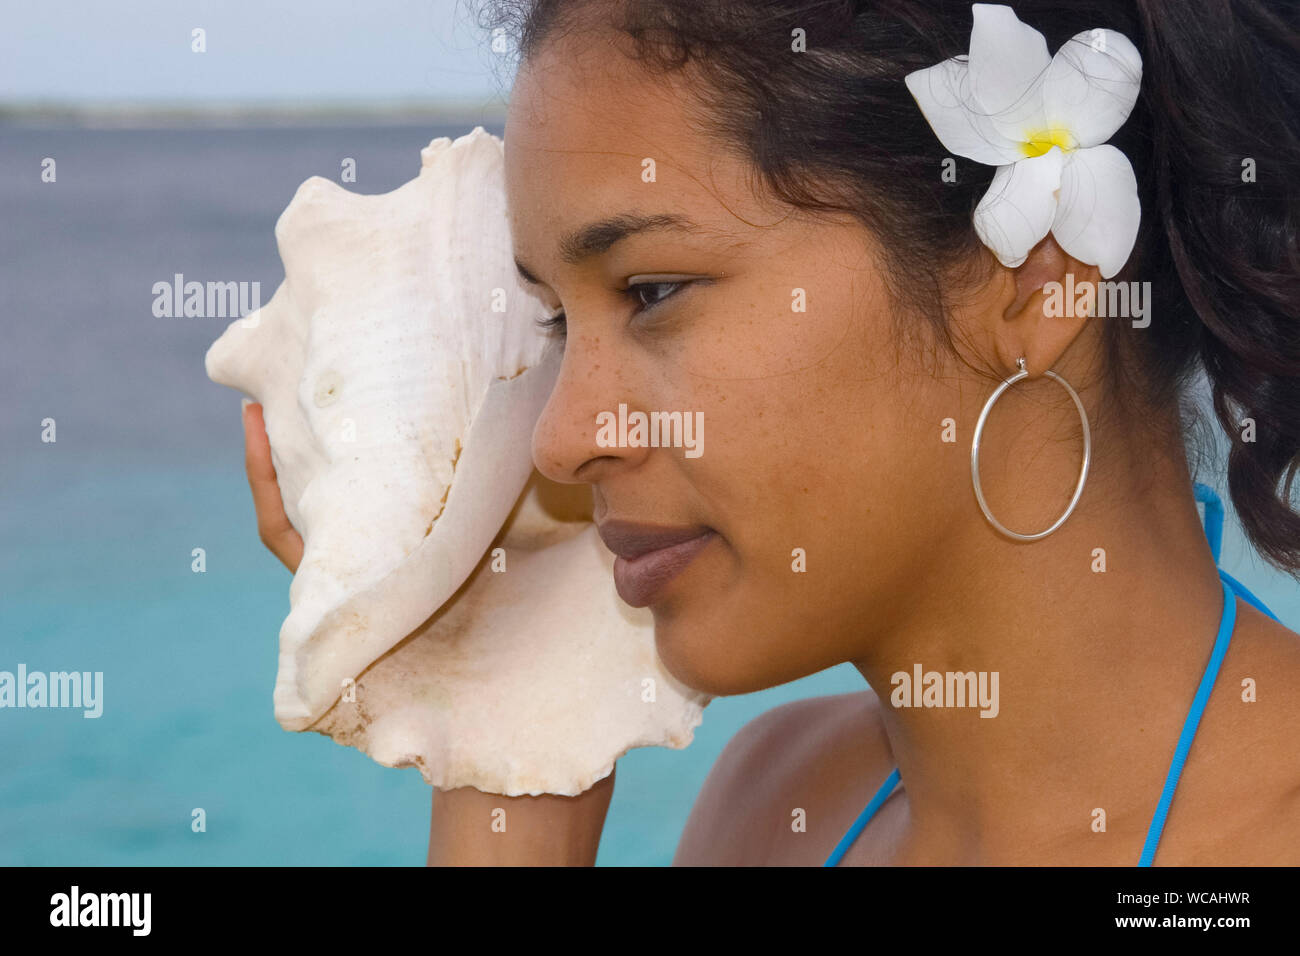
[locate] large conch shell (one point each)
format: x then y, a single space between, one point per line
453 611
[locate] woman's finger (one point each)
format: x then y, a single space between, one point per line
273 524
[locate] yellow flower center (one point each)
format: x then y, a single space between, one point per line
1043 140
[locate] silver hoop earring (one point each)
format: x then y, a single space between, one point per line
975 454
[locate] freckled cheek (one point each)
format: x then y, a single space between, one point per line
772 473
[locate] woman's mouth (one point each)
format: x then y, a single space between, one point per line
649 556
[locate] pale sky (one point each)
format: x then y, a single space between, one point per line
313 51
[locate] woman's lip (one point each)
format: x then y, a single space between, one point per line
629 539
640 579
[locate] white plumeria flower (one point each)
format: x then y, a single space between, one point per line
1041 120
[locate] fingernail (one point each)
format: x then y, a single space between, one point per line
244 403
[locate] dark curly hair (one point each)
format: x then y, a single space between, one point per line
834 129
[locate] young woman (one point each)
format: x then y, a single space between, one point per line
749 211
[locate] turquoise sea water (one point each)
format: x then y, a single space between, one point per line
97 529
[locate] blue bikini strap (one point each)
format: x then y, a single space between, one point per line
1193 721
860 823
1231 589
1213 517
1214 534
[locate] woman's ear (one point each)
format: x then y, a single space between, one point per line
1035 310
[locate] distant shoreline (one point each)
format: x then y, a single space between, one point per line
133 115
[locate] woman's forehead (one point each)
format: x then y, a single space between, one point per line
588 138
572 114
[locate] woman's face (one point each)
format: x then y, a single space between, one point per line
774 330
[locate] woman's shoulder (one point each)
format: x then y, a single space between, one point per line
781 788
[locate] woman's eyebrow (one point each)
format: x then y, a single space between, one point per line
597 237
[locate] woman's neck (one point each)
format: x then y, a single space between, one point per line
1095 671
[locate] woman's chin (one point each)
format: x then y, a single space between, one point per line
704 657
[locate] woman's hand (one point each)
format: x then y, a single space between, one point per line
272 523
472 828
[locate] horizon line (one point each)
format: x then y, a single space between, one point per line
135 112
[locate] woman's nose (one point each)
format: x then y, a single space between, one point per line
591 380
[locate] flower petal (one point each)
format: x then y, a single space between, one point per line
1019 207
1092 85
943 94
1098 213
1008 62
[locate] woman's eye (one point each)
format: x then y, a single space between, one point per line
646 295
649 294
